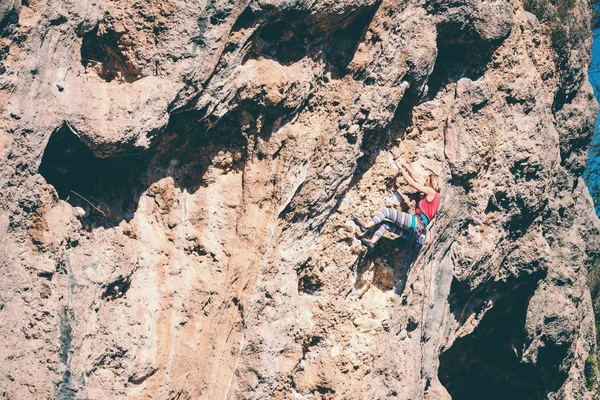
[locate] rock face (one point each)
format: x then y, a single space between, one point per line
179 179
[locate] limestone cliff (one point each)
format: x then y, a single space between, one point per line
179 178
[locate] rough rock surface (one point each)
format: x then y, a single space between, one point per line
178 181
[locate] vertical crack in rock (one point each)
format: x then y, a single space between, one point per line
65 390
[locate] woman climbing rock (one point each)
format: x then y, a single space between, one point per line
401 223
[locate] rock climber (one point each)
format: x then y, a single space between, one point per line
403 224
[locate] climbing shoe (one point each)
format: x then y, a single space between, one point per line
367 243
362 228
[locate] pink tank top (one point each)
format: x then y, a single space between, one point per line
429 208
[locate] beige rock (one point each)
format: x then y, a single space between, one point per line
179 181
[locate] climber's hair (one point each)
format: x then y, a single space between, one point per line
433 181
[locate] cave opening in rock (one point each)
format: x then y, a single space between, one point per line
344 42
108 189
459 56
104 53
100 186
487 364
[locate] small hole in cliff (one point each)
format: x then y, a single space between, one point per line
488 363
309 284
104 54
412 325
9 23
325 390
283 41
117 289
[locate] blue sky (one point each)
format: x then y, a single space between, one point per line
592 175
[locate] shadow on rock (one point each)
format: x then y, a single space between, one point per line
389 263
490 362
108 189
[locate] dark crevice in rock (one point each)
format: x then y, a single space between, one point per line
390 261
523 217
108 189
309 284
462 181
46 275
283 40
524 170
459 56
412 325
117 288
498 202
489 363
139 379
309 342
492 206
61 19
572 147
373 142
293 35
564 95
343 43
245 20
324 390
309 281
104 53
9 23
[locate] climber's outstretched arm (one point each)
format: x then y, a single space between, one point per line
412 182
408 168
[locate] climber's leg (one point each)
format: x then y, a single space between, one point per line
403 233
379 232
406 221
376 236
390 219
386 226
382 215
